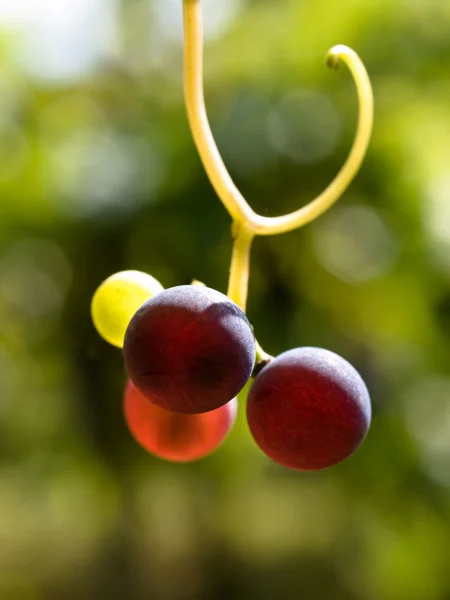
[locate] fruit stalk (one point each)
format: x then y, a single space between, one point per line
240 264
246 223
198 119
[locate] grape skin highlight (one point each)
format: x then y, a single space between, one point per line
190 349
308 409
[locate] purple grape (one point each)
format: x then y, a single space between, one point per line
189 349
308 409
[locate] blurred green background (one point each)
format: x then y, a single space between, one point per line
98 173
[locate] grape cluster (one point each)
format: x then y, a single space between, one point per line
189 350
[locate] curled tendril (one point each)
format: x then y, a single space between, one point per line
332 193
247 223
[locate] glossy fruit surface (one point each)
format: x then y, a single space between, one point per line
117 299
173 436
189 349
308 409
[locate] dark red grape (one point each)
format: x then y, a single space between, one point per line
308 409
189 349
173 436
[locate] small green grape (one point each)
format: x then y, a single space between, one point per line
117 299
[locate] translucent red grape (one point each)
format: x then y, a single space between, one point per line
308 409
189 349
173 436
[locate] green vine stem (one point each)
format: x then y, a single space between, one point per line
246 223
198 120
240 264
